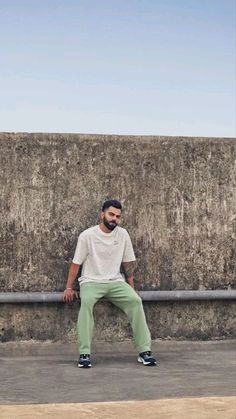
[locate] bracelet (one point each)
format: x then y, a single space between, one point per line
68 288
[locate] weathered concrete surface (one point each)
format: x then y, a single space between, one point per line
185 320
194 408
179 196
186 369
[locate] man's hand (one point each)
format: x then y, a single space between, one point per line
69 295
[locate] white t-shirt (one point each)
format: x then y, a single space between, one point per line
101 254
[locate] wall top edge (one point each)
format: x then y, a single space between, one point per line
74 136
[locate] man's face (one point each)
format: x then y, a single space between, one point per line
111 217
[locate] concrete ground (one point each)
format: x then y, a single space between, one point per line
193 380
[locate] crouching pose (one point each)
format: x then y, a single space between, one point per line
101 250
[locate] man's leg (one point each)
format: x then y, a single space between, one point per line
90 293
123 296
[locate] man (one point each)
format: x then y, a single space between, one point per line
101 250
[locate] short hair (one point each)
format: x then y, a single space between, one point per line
111 203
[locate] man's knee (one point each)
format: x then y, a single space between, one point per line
135 299
87 301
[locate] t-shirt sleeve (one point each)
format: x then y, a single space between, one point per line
128 255
81 250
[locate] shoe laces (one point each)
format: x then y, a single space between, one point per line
84 356
147 353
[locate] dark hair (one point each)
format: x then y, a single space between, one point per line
111 203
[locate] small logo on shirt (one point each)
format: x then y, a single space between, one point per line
116 242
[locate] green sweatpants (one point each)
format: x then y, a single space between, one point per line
123 296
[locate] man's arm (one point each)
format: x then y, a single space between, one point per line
129 268
69 293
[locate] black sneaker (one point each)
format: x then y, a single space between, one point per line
84 361
147 359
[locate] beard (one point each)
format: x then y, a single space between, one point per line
110 226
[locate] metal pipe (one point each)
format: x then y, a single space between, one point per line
177 295
187 295
31 297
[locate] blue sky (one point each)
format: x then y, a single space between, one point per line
163 67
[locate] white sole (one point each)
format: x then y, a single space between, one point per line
141 361
85 366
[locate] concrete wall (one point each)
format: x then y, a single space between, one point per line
179 197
